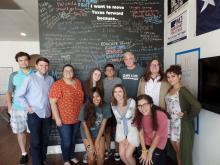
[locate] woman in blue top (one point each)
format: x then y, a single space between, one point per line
93 117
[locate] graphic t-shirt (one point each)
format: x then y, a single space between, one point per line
103 112
130 79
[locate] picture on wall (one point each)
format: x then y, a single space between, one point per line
177 28
174 5
208 16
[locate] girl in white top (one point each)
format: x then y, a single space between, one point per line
126 133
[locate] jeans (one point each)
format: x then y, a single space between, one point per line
68 134
39 130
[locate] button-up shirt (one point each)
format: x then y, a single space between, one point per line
34 93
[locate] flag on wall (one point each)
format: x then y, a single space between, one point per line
208 16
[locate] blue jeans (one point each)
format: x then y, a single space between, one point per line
40 130
68 134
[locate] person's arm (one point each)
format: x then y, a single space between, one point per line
144 151
195 105
55 112
139 87
9 101
20 96
81 93
88 136
101 129
9 93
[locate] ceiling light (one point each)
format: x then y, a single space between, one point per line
23 34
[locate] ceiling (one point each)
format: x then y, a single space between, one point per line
18 16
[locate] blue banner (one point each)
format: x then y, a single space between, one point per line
208 16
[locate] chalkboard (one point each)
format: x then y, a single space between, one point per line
90 33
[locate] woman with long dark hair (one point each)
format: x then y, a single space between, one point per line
154 84
183 108
152 124
94 80
93 116
126 132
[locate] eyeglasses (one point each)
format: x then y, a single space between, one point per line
142 106
154 65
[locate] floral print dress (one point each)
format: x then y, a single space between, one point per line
173 108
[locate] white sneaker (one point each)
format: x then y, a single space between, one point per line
75 160
85 158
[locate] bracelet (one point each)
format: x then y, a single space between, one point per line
144 150
87 147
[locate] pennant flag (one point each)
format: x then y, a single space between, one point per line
208 16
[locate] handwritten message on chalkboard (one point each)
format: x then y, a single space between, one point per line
90 33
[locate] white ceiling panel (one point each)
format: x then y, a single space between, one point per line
13 22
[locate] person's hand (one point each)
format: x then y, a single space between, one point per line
58 122
149 158
10 110
30 110
125 142
180 114
97 142
91 149
143 158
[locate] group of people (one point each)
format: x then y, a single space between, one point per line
141 108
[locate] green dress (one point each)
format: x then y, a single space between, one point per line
190 107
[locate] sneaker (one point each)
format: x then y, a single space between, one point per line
85 158
75 160
107 154
23 159
117 156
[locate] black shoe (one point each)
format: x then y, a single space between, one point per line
24 159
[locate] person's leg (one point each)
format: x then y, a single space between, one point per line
108 138
90 156
18 124
156 156
75 131
65 132
129 154
34 124
176 148
163 157
45 132
101 152
122 151
22 141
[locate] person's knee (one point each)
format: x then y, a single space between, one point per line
128 155
66 144
35 143
91 158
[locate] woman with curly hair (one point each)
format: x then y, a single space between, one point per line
183 108
152 124
93 116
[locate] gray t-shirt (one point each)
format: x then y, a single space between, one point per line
130 79
103 112
108 86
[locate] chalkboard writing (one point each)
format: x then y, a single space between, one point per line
91 33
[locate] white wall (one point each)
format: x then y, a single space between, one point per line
8 50
207 145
